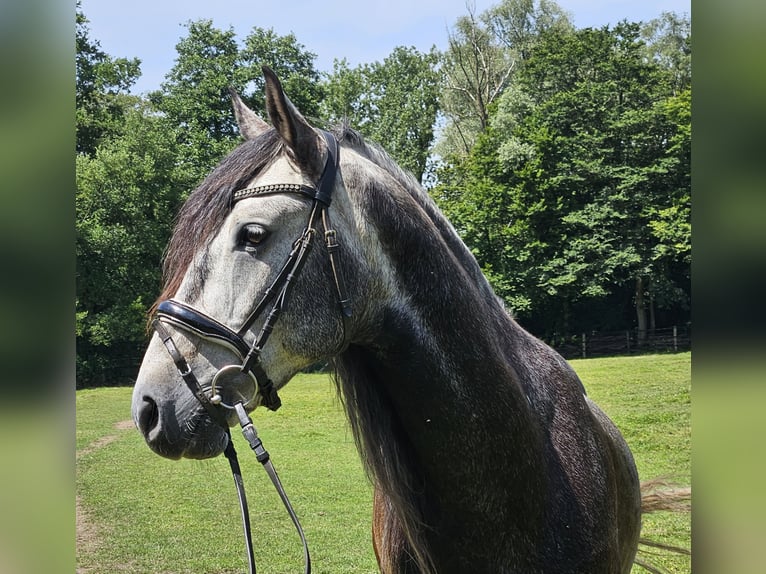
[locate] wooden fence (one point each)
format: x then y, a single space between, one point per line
125 362
629 342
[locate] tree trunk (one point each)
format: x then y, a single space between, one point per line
640 311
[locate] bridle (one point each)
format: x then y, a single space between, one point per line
191 320
234 386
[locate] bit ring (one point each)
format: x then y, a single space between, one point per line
231 384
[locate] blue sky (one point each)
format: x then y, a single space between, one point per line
360 31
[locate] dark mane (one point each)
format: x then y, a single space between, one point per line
378 156
410 225
407 184
210 203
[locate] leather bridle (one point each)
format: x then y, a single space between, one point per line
231 386
198 323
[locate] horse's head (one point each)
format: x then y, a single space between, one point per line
254 282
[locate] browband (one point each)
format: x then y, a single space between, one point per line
275 188
322 194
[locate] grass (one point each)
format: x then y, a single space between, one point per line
148 514
156 515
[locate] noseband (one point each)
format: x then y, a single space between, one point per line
233 386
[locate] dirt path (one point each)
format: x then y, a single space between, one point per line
87 530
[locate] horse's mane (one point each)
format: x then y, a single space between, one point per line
379 157
413 190
380 437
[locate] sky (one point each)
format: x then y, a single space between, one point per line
360 31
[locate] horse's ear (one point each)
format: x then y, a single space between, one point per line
250 124
291 125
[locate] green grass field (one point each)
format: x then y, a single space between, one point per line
138 512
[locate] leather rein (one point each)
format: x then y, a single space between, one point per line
234 386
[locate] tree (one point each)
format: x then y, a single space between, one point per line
290 61
668 43
127 195
476 70
194 96
101 88
484 54
477 195
393 102
517 24
631 160
578 190
403 93
344 91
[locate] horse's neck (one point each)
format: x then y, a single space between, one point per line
440 409
444 351
452 352
436 399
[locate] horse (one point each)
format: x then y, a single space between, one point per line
485 452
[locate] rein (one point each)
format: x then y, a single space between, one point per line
234 386
251 435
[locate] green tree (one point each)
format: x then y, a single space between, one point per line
194 96
578 190
344 90
485 52
101 88
517 24
668 42
476 70
292 63
127 195
393 102
478 196
623 162
403 100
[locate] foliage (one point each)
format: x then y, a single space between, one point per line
344 95
668 43
564 159
476 70
127 196
393 102
579 187
194 95
102 83
484 54
292 63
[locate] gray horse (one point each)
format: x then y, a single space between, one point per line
485 452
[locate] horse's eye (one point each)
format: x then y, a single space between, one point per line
252 235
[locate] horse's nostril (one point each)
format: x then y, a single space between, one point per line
149 416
